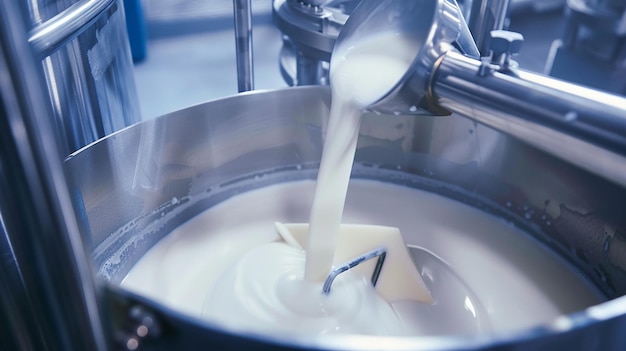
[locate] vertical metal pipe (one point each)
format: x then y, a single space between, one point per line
87 61
486 15
39 221
308 70
243 44
19 327
51 35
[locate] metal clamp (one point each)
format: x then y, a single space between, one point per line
504 44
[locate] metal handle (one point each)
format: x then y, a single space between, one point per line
243 43
47 37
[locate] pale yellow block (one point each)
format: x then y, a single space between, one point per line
399 278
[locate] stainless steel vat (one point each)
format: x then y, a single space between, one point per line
132 188
84 49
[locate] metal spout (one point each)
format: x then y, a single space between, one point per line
583 126
438 26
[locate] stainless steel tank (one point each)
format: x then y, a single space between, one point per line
133 187
129 190
84 50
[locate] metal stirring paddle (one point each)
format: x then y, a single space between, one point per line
380 252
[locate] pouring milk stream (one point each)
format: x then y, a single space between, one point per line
286 282
360 75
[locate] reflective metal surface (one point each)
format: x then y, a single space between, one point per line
48 36
131 188
310 29
438 27
86 56
48 297
137 185
580 125
485 16
243 44
20 331
378 253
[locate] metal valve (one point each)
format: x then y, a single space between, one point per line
504 44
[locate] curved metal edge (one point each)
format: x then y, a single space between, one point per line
47 37
183 332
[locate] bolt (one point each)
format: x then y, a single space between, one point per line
132 344
147 325
503 44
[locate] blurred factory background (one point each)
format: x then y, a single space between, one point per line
190 51
189 56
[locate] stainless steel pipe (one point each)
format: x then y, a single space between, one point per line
84 49
55 297
581 125
50 35
308 70
243 43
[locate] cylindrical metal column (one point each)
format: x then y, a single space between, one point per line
243 43
485 16
49 36
581 125
59 303
308 70
84 49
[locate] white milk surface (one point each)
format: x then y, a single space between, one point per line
484 274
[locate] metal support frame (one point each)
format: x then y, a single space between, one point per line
48 298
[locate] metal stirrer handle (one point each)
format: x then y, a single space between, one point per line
380 252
